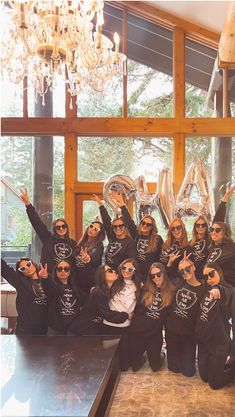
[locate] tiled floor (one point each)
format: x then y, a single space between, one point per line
165 394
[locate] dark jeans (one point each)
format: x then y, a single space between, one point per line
232 352
123 348
211 366
181 352
139 344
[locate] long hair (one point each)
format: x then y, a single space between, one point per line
36 285
227 234
194 231
112 233
153 236
150 289
214 265
54 232
120 283
100 280
71 280
170 239
90 242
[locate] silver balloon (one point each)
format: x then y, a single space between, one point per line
195 196
165 196
144 200
119 183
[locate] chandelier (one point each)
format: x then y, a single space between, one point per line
46 40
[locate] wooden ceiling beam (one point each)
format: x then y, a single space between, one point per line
144 127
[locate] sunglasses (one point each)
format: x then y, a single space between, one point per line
111 271
157 275
63 268
185 270
119 226
62 226
198 225
210 274
215 229
146 224
176 228
96 229
128 269
23 268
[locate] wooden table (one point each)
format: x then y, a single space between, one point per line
58 375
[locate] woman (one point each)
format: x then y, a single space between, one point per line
148 241
180 323
65 299
31 299
200 244
97 307
121 246
88 255
175 247
56 245
201 237
213 329
149 316
123 296
222 251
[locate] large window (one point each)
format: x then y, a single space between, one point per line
100 157
17 161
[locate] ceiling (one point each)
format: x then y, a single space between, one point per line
209 14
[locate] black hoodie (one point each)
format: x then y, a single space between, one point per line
54 248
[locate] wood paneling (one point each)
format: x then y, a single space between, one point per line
179 73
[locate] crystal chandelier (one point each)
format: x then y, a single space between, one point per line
45 40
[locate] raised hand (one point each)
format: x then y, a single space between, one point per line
24 196
97 199
43 273
118 197
173 257
214 294
85 256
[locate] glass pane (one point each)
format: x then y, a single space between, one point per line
54 105
199 61
218 157
100 157
149 92
12 104
150 69
18 172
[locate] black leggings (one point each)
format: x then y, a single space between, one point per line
211 366
181 352
139 344
123 348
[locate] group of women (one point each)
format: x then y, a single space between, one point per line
140 287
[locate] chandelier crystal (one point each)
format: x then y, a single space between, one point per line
45 40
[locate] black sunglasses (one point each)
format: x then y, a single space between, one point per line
61 226
110 270
215 229
198 225
96 229
119 226
63 268
23 268
210 274
176 228
146 223
128 269
185 270
157 275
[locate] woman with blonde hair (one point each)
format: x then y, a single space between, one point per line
149 317
175 247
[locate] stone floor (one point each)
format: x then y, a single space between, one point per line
165 394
